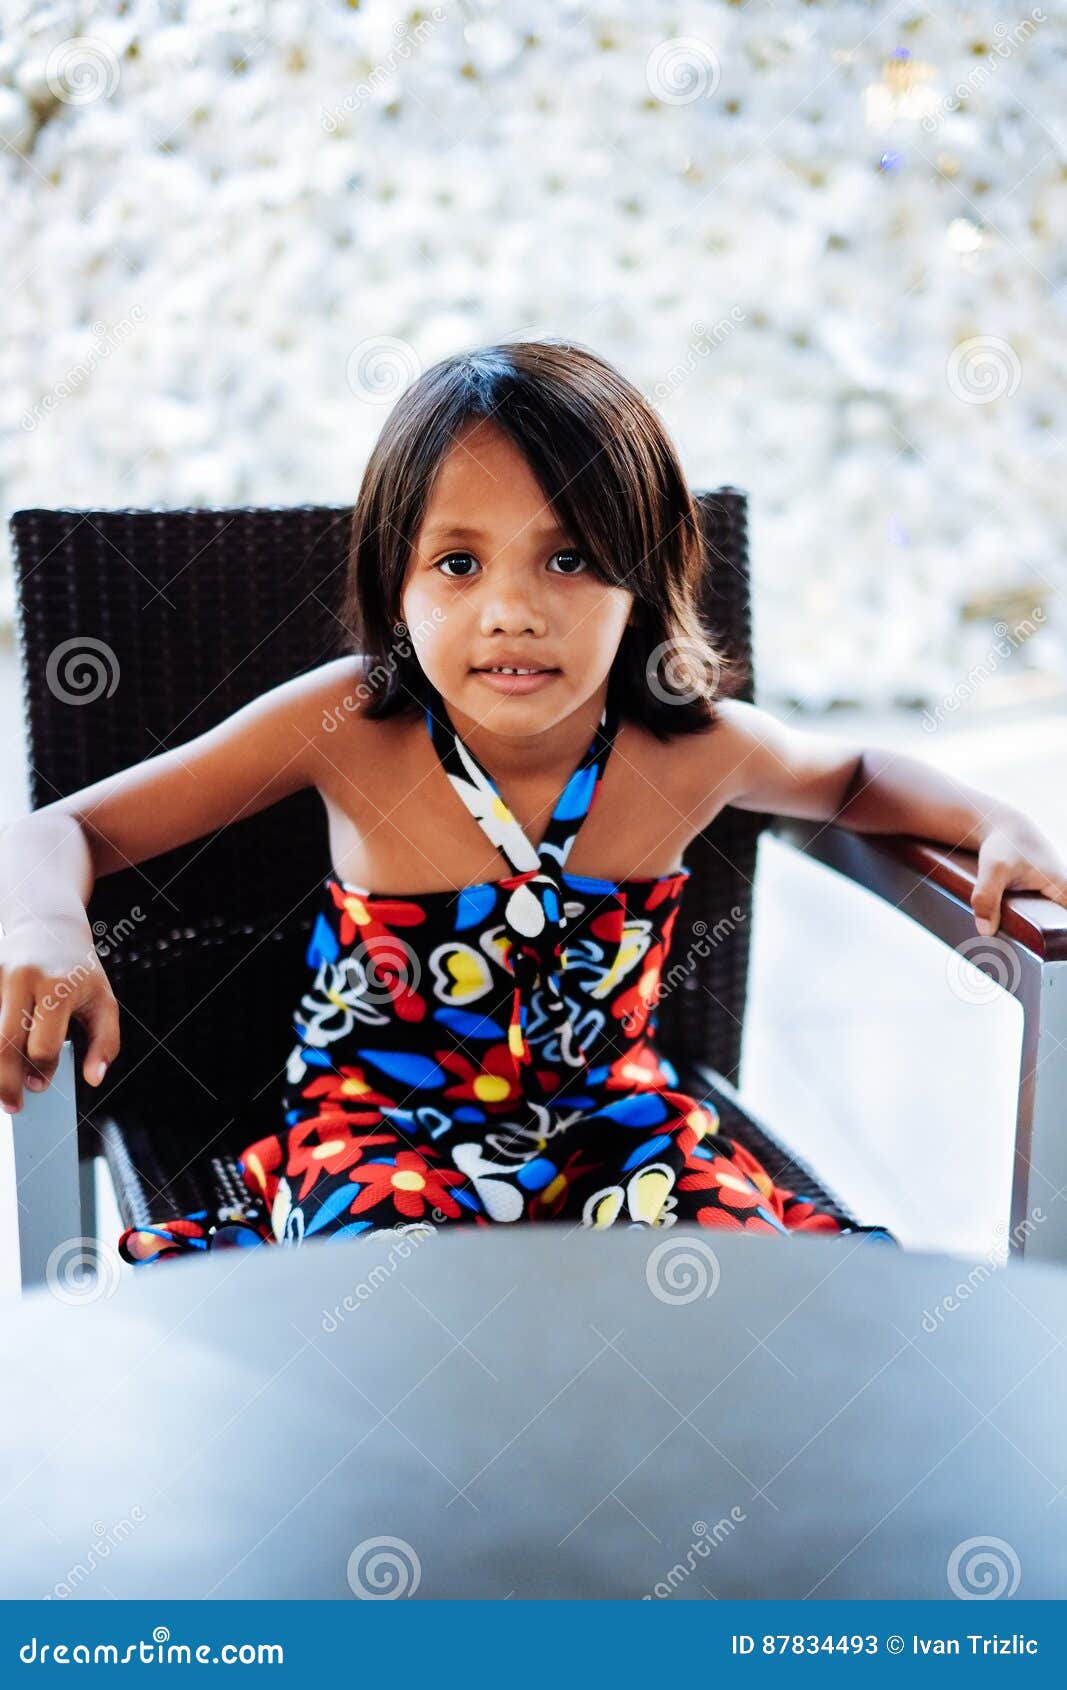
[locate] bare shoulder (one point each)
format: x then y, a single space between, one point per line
334 698
341 737
708 765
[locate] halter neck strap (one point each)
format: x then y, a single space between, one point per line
482 798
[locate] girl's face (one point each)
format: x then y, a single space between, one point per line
494 580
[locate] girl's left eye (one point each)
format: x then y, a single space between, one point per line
576 556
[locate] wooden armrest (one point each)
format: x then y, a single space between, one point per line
870 859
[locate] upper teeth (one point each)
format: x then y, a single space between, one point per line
499 669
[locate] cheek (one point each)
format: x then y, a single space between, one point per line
607 615
425 614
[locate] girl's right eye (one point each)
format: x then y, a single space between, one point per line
453 557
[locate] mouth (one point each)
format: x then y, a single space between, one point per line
508 678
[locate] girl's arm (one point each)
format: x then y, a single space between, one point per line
50 860
793 772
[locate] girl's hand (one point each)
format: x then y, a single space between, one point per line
49 973
1015 856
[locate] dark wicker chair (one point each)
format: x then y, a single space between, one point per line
203 610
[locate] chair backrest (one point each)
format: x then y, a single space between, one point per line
140 629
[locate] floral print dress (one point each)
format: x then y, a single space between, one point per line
487 1056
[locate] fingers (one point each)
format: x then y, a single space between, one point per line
46 1032
100 1018
987 895
16 1017
34 1024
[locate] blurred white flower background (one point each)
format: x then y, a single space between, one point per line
827 241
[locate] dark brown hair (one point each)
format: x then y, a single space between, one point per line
610 473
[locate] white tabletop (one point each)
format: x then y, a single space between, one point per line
541 1412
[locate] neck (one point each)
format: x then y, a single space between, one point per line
550 755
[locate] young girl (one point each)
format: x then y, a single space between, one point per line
526 729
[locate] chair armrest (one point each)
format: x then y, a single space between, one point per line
1026 957
896 866
51 1190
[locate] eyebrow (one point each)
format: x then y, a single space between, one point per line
460 531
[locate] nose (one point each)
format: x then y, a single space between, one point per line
510 605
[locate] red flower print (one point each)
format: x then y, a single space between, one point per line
410 1182
720 1174
639 1067
729 1222
351 1091
260 1163
493 1083
387 959
802 1216
326 1144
